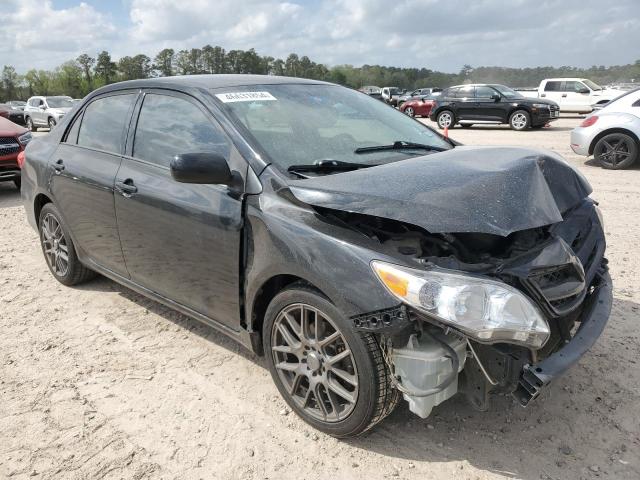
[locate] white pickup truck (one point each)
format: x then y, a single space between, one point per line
579 95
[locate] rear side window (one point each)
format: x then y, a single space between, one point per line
553 87
104 121
72 136
168 126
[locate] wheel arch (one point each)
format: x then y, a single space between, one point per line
610 131
39 202
264 295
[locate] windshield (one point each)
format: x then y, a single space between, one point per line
394 90
507 92
592 85
59 102
302 124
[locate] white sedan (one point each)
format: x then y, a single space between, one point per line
612 134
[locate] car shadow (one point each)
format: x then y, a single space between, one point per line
104 284
9 195
537 442
592 162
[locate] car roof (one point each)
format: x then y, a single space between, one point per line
478 85
212 81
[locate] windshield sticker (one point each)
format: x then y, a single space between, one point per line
245 96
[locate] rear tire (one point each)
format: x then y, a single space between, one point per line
616 151
17 182
304 364
445 119
520 120
58 249
410 111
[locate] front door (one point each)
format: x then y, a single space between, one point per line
487 107
181 241
577 96
83 170
465 101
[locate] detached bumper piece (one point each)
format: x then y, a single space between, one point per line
593 320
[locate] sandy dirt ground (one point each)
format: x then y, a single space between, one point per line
97 382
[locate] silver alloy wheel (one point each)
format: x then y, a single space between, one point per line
54 245
30 124
409 111
614 152
314 363
519 121
52 123
444 119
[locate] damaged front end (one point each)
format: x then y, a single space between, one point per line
485 313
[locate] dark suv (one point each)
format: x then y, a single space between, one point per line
480 103
366 256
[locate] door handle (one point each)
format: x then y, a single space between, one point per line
126 187
564 95
543 94
59 166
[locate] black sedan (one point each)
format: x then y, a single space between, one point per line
480 103
367 257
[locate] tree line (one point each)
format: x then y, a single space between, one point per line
80 76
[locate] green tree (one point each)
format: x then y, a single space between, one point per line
105 68
86 63
9 82
163 62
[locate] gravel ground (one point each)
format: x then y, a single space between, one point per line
99 382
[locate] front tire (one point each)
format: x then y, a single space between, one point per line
616 151
58 249
51 122
18 183
520 120
445 119
30 125
333 377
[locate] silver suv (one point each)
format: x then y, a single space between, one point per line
46 111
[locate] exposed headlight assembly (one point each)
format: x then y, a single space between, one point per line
541 105
484 309
25 138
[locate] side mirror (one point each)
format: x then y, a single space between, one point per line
42 107
495 97
206 167
584 90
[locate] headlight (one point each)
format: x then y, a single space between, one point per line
486 310
25 138
540 105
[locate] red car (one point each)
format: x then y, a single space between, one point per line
418 106
13 139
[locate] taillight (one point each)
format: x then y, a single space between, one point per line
589 121
21 158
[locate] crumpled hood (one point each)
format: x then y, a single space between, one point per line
496 190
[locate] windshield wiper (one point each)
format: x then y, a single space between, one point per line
399 145
328 166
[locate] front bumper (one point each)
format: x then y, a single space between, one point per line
534 378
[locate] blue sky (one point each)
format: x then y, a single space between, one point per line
436 34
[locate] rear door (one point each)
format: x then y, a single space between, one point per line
181 241
83 171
